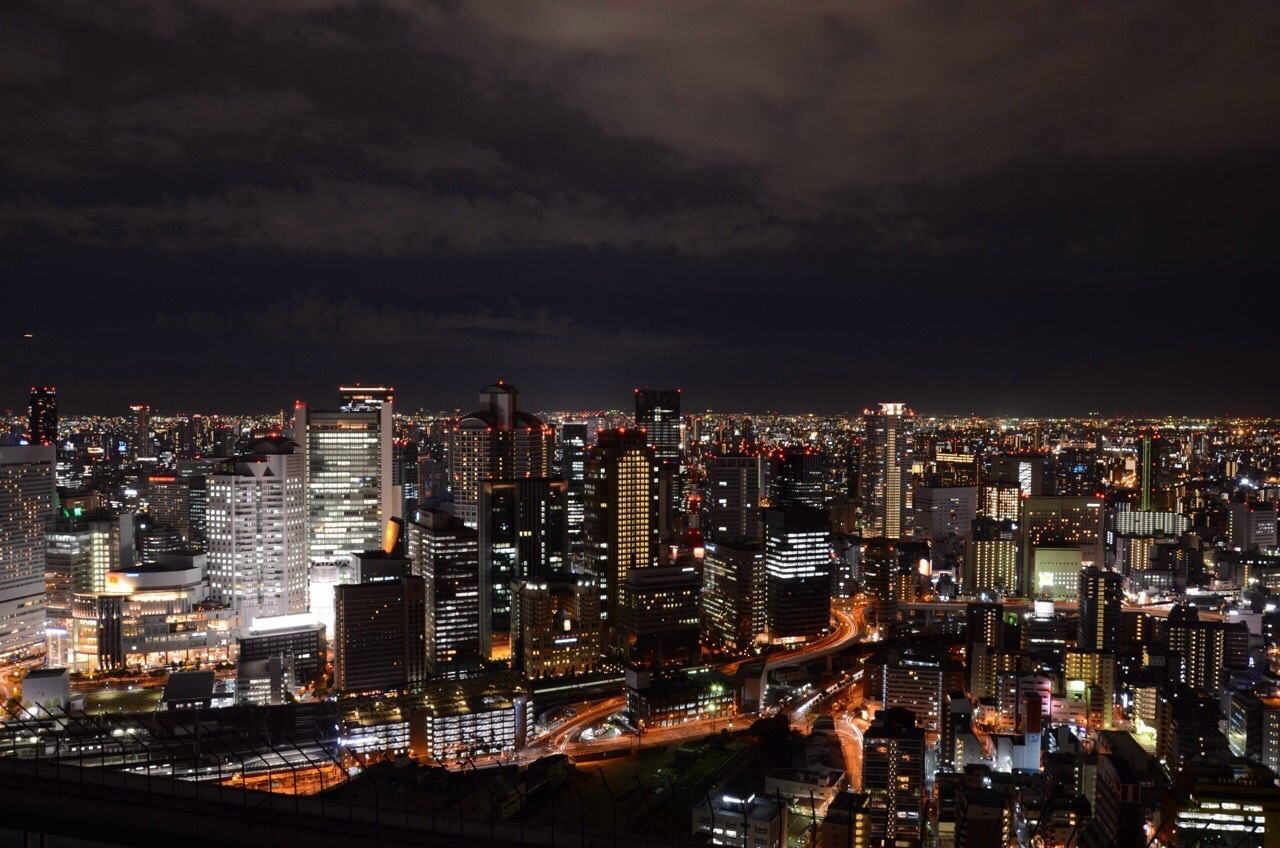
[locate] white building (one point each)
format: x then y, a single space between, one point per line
350 493
26 513
256 533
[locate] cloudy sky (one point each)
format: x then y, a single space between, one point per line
992 206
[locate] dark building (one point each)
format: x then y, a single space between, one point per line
658 414
1077 472
42 416
573 461
734 602
796 480
731 496
446 555
1100 602
380 635
295 636
660 622
522 534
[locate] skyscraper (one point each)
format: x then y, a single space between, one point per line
256 532
446 554
796 480
884 468
42 416
349 490
140 438
797 559
380 635
658 414
1060 523
621 519
573 452
731 496
556 625
1149 446
522 534
893 771
26 512
496 442
1100 597
734 607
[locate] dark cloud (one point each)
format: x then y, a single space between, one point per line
707 185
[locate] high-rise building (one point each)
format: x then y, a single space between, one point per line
658 414
256 532
1077 472
991 558
169 503
1202 645
621 519
380 639
42 416
659 623
573 453
557 625
1251 526
522 533
1149 450
446 555
366 397
914 685
796 478
734 602
496 442
1100 599
731 496
1060 522
942 513
349 491
140 437
884 484
893 773
797 561
1026 471
26 513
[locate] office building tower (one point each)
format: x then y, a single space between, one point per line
1252 526
42 416
795 478
916 686
1150 446
893 773
999 501
1060 522
1055 573
1026 471
256 532
522 533
1253 723
573 452
944 513
660 622
991 558
151 539
887 572
1130 522
556 624
140 436
1202 645
1100 597
955 470
380 640
658 414
731 496
349 491
797 561
884 481
1077 473
446 554
620 523
404 475
734 597
496 442
27 501
169 503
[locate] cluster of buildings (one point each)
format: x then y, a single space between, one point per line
1075 619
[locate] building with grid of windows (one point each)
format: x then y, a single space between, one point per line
446 554
797 561
26 513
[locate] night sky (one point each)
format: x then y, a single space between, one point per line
1002 207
